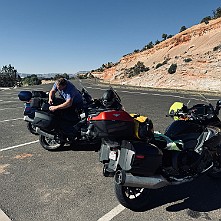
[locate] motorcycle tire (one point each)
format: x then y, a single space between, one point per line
50 144
133 198
215 173
31 128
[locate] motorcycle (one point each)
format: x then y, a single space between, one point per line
55 129
32 102
189 148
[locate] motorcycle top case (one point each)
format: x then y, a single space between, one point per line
25 96
113 124
140 158
44 120
40 94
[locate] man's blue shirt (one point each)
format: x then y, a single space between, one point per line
70 91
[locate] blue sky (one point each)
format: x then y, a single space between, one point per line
67 36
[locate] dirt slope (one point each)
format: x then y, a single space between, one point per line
198 63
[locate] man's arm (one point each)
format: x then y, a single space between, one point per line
64 105
51 96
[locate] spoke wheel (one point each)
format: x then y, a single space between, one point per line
133 198
50 144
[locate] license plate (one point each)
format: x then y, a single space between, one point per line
113 155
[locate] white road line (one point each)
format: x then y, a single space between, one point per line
11 120
20 145
7 108
154 94
7 102
114 212
3 216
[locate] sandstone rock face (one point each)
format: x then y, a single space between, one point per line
196 52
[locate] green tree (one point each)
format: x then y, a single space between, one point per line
164 36
31 80
206 19
157 42
169 36
217 13
183 28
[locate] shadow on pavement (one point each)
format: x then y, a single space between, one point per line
200 195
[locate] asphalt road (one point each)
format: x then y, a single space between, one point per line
36 184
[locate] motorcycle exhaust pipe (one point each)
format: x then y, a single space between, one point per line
45 134
152 182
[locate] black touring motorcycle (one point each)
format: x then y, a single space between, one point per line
55 129
141 159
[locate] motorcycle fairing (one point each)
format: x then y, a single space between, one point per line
186 131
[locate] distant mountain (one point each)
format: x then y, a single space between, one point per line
51 75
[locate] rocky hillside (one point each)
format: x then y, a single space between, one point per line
195 55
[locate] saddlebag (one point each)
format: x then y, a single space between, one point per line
44 120
113 124
140 158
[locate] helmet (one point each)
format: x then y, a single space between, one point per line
108 98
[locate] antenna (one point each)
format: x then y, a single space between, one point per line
205 99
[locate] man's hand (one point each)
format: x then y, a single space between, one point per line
50 101
51 96
53 108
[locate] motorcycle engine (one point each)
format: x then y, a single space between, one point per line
190 163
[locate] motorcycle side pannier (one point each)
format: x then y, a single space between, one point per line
44 120
113 124
140 158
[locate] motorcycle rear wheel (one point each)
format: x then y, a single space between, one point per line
50 144
133 198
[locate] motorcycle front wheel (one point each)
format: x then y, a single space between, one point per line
133 198
49 143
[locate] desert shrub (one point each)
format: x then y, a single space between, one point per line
217 48
172 69
188 59
136 69
183 28
161 64
206 19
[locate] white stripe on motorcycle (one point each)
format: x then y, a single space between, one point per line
20 145
11 120
114 212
